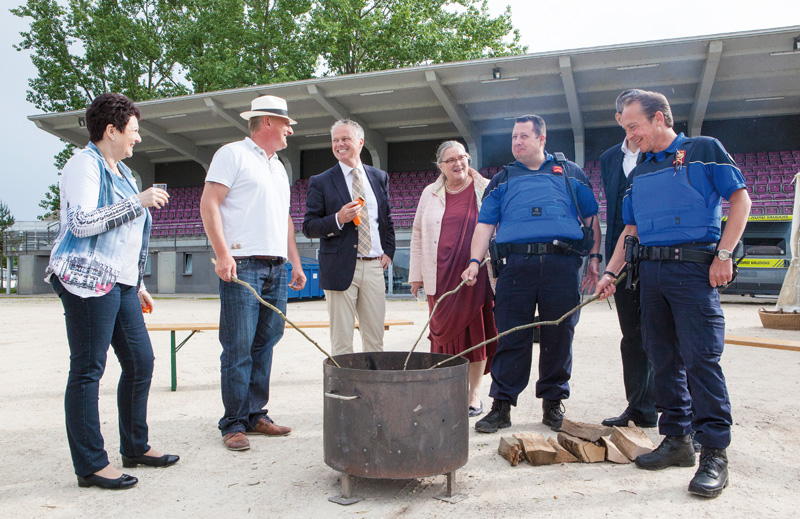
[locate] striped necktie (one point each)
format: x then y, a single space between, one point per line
364 238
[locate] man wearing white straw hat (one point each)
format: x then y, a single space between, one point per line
245 210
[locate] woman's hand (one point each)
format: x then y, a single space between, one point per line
153 197
146 301
415 287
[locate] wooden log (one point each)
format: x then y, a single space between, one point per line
586 431
585 451
509 449
631 441
613 454
536 449
562 454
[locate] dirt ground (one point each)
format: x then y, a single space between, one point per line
288 477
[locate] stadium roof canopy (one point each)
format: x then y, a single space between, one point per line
723 76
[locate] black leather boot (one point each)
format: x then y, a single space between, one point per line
712 475
553 414
674 451
498 418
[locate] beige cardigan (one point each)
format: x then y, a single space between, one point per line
428 226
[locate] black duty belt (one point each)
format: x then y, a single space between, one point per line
534 248
677 253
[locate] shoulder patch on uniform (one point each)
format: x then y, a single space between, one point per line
558 169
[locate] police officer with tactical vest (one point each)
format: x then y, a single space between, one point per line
543 211
673 208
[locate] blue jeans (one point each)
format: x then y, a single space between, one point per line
248 331
92 324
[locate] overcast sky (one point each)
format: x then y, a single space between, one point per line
26 153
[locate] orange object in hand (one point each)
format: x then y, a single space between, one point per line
357 219
147 309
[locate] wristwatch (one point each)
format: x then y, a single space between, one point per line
596 255
724 255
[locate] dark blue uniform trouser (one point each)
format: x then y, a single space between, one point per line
551 282
637 372
684 333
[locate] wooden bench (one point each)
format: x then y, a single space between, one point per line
199 327
758 342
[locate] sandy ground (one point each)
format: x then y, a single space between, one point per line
287 477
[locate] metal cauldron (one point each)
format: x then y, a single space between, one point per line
382 422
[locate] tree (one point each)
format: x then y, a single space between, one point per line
91 47
149 49
367 35
6 221
234 43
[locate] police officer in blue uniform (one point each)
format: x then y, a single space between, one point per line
534 206
674 208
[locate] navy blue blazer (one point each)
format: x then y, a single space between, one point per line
610 171
327 193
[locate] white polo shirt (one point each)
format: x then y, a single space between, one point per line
255 213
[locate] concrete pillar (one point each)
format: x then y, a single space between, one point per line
166 272
291 161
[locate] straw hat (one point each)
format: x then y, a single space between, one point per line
268 105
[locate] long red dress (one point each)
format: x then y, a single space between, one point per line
465 318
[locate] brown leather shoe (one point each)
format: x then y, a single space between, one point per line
266 426
236 441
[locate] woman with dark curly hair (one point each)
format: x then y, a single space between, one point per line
96 268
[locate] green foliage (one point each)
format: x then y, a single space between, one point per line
96 46
365 35
234 43
150 49
51 203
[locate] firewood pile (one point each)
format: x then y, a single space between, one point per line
577 442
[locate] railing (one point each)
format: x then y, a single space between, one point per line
22 242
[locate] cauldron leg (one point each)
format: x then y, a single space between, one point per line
347 490
347 486
451 483
450 494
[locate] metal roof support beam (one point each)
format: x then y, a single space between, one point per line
575 116
459 118
228 115
373 141
698 113
180 144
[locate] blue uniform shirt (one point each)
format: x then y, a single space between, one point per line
494 213
711 172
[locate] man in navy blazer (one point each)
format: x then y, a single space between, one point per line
616 165
352 257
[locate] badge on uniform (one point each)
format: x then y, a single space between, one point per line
679 158
536 211
558 169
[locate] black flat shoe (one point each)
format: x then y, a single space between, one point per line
476 411
121 483
162 461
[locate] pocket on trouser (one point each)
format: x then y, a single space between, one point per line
712 328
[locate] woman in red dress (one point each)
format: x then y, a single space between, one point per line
440 247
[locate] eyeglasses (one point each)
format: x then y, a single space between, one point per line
453 159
